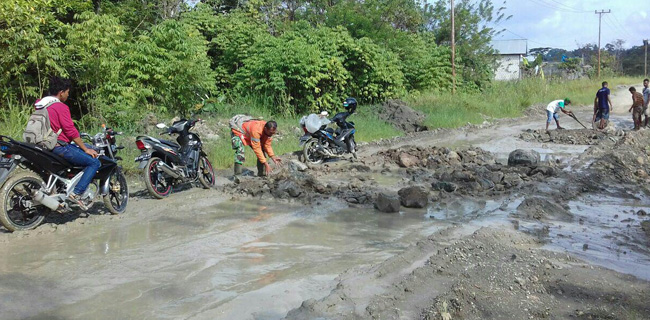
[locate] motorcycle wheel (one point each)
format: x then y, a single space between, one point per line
352 146
15 193
158 186
310 152
207 178
118 193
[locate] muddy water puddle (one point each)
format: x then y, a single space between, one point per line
605 231
229 261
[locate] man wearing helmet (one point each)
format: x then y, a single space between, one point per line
350 105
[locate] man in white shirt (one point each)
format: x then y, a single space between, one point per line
553 108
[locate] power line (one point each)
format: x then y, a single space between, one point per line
570 7
620 24
554 7
616 26
533 41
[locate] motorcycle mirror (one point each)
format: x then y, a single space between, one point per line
161 126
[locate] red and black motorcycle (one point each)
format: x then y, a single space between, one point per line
167 163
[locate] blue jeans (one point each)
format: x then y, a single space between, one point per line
602 114
550 116
77 157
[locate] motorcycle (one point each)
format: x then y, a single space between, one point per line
320 142
26 199
166 163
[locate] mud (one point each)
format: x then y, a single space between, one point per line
579 136
471 238
542 209
491 274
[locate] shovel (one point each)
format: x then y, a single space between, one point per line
576 119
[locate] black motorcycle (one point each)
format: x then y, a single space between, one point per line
36 182
325 143
167 163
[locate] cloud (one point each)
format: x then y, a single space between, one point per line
569 24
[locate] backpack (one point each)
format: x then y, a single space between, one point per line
237 121
39 129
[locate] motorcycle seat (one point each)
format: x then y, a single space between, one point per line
31 150
172 144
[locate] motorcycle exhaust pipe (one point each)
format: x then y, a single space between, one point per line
168 170
46 200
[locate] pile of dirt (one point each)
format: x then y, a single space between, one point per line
492 274
578 137
536 208
283 185
464 171
628 161
402 117
433 157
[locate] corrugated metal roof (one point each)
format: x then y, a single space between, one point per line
515 46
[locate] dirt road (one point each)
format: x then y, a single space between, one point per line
561 239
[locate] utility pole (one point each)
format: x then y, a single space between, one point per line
600 18
453 50
645 63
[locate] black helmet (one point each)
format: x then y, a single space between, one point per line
350 104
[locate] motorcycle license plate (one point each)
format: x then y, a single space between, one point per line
143 160
5 163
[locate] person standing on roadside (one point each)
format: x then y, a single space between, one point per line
69 146
637 107
552 109
646 99
602 106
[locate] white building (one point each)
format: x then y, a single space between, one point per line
510 57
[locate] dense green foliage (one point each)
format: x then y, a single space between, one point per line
132 57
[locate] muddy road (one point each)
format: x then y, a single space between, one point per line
567 237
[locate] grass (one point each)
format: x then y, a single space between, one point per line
443 110
504 100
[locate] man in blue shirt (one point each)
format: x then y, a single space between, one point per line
602 106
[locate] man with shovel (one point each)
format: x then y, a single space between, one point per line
553 108
602 106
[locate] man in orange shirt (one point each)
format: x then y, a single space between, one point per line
256 134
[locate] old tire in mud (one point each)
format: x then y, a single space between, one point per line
117 197
310 152
17 208
207 178
157 183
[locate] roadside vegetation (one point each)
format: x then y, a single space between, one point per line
134 60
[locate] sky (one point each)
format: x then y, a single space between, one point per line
569 24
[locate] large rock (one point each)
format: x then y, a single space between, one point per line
444 185
388 203
414 197
406 160
297 166
522 157
287 188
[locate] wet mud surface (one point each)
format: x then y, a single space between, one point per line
564 234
